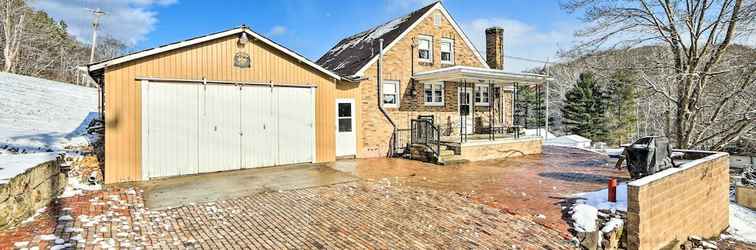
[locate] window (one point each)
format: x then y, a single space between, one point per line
425 48
447 51
345 117
481 95
437 20
434 94
390 93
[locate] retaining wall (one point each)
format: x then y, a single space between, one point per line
29 191
673 204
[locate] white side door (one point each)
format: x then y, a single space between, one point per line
259 124
346 139
295 111
169 128
464 104
220 128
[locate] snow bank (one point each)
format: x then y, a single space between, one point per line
600 199
13 165
585 217
39 115
742 224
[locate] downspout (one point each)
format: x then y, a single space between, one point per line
380 97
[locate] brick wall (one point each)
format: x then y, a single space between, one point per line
679 202
27 192
502 149
746 196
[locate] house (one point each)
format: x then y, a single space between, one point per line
235 99
430 69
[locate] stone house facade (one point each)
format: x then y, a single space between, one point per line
432 29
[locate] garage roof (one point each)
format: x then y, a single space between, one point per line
200 39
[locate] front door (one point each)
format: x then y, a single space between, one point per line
346 140
464 101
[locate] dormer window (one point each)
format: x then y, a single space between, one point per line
425 48
447 51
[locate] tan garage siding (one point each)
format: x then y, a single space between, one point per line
212 60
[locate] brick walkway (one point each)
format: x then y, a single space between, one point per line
353 215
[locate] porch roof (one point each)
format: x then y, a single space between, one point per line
465 73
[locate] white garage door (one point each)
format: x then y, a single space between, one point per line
192 128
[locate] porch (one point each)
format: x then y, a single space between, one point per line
491 119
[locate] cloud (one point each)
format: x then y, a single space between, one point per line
277 30
127 20
522 40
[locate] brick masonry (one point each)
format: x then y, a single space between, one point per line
502 149
746 196
690 200
29 191
398 65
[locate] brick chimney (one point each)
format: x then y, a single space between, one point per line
495 47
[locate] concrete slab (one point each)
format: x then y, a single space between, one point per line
182 190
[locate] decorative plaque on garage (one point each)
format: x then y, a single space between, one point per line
242 60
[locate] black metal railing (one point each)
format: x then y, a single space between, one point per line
423 132
400 141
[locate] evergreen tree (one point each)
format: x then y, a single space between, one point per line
622 108
530 108
585 109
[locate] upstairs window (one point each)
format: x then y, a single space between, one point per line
390 93
425 48
481 95
434 93
437 20
447 51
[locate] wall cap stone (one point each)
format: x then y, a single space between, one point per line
671 171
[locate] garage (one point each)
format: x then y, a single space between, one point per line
218 102
200 127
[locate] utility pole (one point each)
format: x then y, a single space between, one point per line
95 25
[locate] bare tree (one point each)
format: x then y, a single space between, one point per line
13 12
697 36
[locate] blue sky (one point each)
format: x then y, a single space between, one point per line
533 29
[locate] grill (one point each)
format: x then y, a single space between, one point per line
648 155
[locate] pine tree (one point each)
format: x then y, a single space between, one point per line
622 108
585 109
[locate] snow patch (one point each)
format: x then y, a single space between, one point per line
600 199
742 224
585 217
14 165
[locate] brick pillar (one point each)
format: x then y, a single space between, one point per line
495 47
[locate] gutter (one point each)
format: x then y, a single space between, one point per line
380 104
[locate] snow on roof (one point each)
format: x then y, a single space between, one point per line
39 115
13 165
567 140
353 52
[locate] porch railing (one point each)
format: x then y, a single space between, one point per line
400 141
423 132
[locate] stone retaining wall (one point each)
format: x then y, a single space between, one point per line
676 203
27 192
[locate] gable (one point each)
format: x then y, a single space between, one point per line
170 48
353 55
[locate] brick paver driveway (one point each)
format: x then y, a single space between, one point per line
354 215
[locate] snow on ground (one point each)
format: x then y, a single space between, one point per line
12 165
40 118
600 199
585 217
742 224
38 115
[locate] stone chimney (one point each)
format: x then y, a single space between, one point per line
495 47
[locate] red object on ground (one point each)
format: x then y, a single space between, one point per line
612 190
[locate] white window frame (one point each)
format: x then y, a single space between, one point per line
437 20
433 91
396 84
430 48
451 47
478 91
